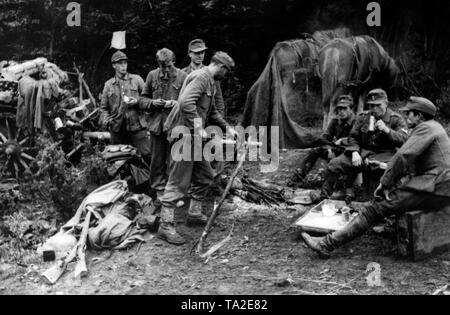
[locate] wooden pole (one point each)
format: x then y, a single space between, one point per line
215 212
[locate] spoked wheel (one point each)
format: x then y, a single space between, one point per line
17 149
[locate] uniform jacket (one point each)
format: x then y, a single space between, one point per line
338 129
156 87
197 100
113 109
424 159
366 142
219 102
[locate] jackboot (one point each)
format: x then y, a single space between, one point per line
167 230
323 246
316 244
195 216
328 186
168 233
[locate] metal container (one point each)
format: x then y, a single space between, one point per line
372 123
58 123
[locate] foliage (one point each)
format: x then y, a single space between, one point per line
58 182
414 32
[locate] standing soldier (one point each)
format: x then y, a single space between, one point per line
195 106
119 107
160 95
196 50
375 135
417 178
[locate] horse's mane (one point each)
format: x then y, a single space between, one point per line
324 37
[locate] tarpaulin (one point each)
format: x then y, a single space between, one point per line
266 102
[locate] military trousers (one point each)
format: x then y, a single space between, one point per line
190 176
159 166
137 139
401 201
343 166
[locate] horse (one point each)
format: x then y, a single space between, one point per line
354 66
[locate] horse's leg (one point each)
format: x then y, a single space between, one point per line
360 107
325 120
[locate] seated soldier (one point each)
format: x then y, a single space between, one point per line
375 135
337 132
417 178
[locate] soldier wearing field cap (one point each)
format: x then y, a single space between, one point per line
120 113
417 178
375 135
194 111
196 50
337 132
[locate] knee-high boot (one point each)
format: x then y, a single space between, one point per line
325 245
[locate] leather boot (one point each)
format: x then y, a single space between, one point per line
325 245
195 216
168 233
328 186
315 243
352 230
166 230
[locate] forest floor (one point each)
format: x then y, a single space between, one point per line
264 256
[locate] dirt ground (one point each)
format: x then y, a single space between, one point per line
264 256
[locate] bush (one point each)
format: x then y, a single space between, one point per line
59 182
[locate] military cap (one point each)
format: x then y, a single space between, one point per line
345 101
224 59
420 104
197 45
377 96
118 56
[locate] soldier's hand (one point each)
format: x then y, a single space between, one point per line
339 141
170 104
380 125
331 154
130 101
356 159
381 193
378 193
159 103
202 133
232 133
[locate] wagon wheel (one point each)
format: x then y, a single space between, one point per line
17 149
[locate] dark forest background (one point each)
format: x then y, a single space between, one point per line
416 33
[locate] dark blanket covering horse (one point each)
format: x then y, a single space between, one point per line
289 87
353 65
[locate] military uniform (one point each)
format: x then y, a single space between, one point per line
417 178
370 144
337 129
196 101
218 97
126 124
157 86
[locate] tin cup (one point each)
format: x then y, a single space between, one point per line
372 123
58 123
346 213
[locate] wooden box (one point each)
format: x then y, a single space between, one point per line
421 234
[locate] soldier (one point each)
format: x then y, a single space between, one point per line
375 135
417 178
196 51
195 104
337 132
159 96
119 107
